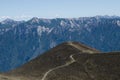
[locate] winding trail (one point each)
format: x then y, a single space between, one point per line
67 64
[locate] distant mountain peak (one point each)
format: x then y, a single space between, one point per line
7 21
106 16
34 20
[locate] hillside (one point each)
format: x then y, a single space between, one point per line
69 61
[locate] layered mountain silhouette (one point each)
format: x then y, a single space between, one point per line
21 41
69 61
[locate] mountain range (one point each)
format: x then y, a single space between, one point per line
22 41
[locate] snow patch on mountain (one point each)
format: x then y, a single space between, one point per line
118 23
35 20
42 29
50 30
4 30
87 28
63 23
72 24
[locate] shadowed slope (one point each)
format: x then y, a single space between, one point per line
90 67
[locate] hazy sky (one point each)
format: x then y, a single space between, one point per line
25 9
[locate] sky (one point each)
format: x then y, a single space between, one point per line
26 9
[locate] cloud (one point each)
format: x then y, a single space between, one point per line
20 17
4 17
57 15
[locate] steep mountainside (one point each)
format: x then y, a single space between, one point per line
69 61
21 41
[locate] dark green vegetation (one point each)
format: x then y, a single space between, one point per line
88 65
